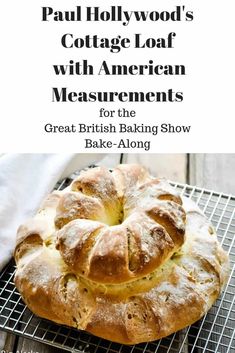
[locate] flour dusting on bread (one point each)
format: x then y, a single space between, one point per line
121 255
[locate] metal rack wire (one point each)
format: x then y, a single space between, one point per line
214 333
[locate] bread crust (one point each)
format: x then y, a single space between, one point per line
145 265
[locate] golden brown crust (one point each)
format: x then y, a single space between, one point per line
152 315
143 224
134 281
75 205
100 184
75 241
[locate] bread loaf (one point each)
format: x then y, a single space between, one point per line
121 255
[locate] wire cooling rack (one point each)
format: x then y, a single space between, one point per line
214 333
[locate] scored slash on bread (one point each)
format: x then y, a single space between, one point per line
121 255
